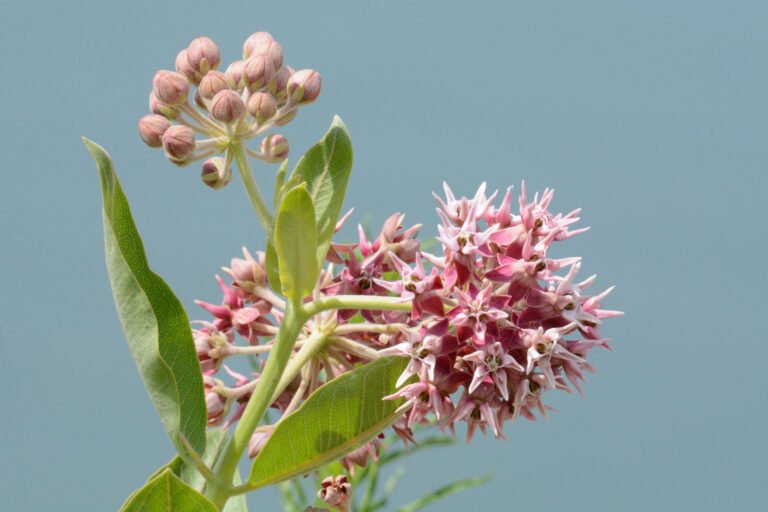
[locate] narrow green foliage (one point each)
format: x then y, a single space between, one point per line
155 324
167 493
296 244
335 420
272 267
443 492
326 168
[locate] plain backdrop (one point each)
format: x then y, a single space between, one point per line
652 116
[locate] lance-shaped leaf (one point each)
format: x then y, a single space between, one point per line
326 168
336 419
167 493
155 324
296 244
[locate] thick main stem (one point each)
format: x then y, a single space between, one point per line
252 189
294 319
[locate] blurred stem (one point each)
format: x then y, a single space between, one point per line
252 188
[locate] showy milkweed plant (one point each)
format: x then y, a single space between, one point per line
345 339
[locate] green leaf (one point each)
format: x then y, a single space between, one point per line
272 267
216 441
296 244
444 491
326 168
167 493
155 324
335 420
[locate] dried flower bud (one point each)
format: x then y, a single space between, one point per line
158 107
335 491
213 82
215 174
183 67
258 71
262 106
152 128
179 142
234 73
262 43
169 87
227 106
274 148
304 86
203 55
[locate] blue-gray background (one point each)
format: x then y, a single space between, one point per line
651 115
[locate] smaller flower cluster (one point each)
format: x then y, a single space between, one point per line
249 98
494 323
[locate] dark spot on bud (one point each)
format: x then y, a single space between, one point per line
570 306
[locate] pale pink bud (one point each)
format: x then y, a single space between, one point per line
213 82
152 128
262 43
257 442
258 72
179 142
227 106
203 55
304 86
247 273
183 67
158 107
262 106
215 174
336 491
199 101
274 148
279 86
169 87
235 73
214 402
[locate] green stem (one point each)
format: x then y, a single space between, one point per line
220 490
356 302
252 188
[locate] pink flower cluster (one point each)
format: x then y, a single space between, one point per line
495 322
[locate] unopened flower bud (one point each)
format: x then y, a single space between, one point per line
257 442
304 86
203 55
247 274
183 67
336 491
158 107
199 101
227 106
279 86
262 106
152 128
234 73
258 71
214 402
179 142
215 174
169 87
213 82
274 148
262 43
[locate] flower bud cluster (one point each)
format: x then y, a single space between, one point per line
495 322
199 111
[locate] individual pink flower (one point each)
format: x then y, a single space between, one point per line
491 363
